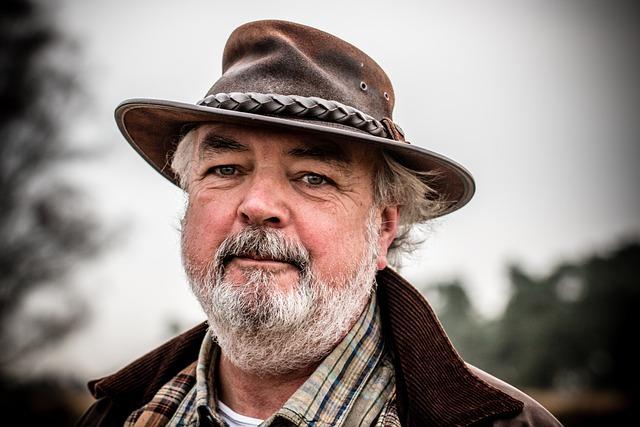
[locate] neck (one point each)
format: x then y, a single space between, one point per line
253 395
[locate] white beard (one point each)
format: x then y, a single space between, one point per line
264 330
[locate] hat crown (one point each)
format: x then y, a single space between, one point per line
292 59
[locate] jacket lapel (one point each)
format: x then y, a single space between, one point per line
136 384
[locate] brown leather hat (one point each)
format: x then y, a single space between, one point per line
287 75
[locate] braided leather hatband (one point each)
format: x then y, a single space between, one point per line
296 106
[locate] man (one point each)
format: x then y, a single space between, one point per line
300 189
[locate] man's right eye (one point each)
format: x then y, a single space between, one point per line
224 170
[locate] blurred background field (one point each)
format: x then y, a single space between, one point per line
536 281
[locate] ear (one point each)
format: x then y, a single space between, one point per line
388 230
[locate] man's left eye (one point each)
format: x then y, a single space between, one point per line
314 179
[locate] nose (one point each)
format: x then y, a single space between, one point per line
264 203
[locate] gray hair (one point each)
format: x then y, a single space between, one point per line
394 185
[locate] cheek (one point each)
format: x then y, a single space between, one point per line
334 247
203 230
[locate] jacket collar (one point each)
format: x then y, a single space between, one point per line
434 385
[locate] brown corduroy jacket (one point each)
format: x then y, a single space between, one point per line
435 387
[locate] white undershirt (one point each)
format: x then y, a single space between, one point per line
234 419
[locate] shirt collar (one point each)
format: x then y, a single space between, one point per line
208 353
330 392
205 399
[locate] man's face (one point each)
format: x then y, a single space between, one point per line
315 192
281 241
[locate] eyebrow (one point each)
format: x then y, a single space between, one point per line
216 144
327 152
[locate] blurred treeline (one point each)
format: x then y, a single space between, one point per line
568 337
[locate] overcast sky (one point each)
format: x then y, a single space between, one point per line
536 99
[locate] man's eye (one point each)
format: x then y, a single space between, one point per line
224 170
314 179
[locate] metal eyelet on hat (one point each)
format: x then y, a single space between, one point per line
386 96
363 86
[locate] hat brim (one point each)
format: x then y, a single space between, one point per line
153 128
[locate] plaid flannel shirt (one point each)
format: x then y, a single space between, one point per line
353 386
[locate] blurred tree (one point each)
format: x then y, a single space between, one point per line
44 228
574 329
460 320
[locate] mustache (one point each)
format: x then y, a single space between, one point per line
263 243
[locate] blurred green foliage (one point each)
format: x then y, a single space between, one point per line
573 329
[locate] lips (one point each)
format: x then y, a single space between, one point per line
256 257
260 258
